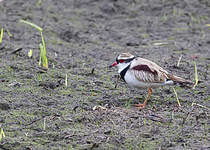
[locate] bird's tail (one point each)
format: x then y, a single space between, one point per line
179 80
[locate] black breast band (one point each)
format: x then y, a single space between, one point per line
123 72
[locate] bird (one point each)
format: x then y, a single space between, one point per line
142 73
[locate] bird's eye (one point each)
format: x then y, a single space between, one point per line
121 60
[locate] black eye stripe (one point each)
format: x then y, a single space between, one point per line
129 60
126 60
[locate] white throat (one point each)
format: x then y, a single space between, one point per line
122 66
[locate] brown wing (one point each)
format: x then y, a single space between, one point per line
147 71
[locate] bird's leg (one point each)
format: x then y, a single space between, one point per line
142 106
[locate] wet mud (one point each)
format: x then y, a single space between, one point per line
40 109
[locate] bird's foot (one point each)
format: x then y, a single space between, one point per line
140 106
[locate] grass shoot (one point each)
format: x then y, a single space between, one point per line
9 33
177 97
32 24
2 135
1 36
43 58
30 53
38 3
128 103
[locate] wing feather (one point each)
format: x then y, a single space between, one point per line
147 71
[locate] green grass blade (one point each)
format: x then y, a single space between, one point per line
43 42
38 3
43 58
41 51
32 24
2 134
9 33
1 36
30 53
44 55
177 97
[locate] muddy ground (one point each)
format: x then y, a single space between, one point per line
37 109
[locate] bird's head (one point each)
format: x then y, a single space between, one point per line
122 61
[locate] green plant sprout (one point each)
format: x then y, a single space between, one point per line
196 76
1 36
9 33
176 97
30 53
38 3
2 134
43 57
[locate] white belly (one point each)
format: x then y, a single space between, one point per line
133 82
